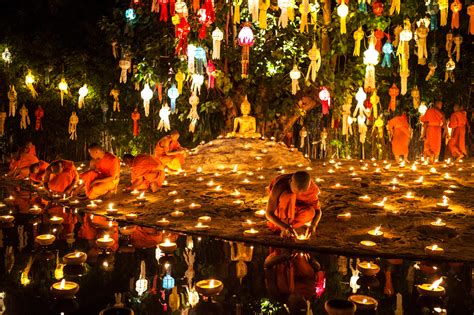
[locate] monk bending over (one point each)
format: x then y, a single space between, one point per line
458 123
170 152
20 166
146 171
434 123
293 202
399 131
61 176
37 171
103 175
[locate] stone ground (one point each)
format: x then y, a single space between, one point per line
406 224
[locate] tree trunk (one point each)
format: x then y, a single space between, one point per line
305 104
326 21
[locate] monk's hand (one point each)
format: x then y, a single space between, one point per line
291 231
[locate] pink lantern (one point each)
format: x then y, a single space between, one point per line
325 98
245 39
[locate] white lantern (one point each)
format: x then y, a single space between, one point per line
217 37
146 95
422 109
83 91
63 87
295 75
7 56
191 51
360 97
343 11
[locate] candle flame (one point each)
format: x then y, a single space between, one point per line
436 284
111 206
368 265
167 242
419 180
78 254
432 170
106 237
142 195
62 285
438 221
377 229
211 284
364 301
235 168
110 223
434 247
199 170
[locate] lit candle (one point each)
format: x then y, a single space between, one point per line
217 174
344 216
64 199
368 244
446 176
105 242
199 179
453 187
388 166
64 289
200 226
218 189
394 182
444 204
353 174
245 181
131 216
434 250
419 180
338 186
319 180
92 205
111 210
178 201
237 202
56 220
165 183
45 239
209 287
260 177
364 302
409 196
258 158
248 223
35 210
413 167
75 202
367 268
331 171
141 196
432 290
380 204
193 206
204 219
448 192
210 183
235 193
163 222
235 168
364 198
438 223
173 193
376 232
135 192
10 199
251 232
76 258
433 170
260 213
177 214
167 247
199 170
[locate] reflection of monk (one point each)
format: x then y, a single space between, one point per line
244 126
61 176
146 171
291 278
37 171
103 176
458 123
399 130
69 217
170 152
94 226
433 121
293 202
20 166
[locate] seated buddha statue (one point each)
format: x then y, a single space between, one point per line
245 126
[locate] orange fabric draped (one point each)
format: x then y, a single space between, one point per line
400 131
108 166
295 209
149 168
457 143
38 177
161 149
21 166
434 119
60 182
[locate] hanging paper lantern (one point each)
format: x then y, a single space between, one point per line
142 284
168 282
393 92
343 11
415 95
315 8
115 94
403 52
456 7
253 9
63 89
211 74
182 32
358 36
191 52
443 12
73 121
379 36
449 74
360 97
362 6
470 12
305 9
179 77
432 9
200 59
83 91
217 37
394 6
39 114
197 82
371 58
12 101
181 9
387 50
25 119
7 56
421 36
124 65
136 126
314 56
283 20
457 49
193 113
377 8
295 75
146 95
3 118
245 39
130 14
164 114
325 98
422 109
173 94
30 80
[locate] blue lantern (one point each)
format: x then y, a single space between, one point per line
168 282
433 9
387 50
362 6
130 14
201 60
173 94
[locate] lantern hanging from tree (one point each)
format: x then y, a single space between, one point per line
73 121
12 101
200 59
159 89
456 7
470 12
136 126
181 9
168 282
360 97
179 77
362 5
141 285
432 9
25 119
377 8
449 74
314 56
130 17
304 9
164 114
115 94
346 113
211 74
217 37
283 20
163 10
83 91
193 113
457 48
146 95
325 98
415 96
403 52
387 50
191 52
295 75
245 39
393 92
432 66
421 35
443 12
7 56
63 89
375 100
394 6
182 31
449 43
39 114
237 4
155 6
173 94
3 118
371 58
342 11
396 33
197 82
125 65
253 9
30 80
263 6
314 9
358 36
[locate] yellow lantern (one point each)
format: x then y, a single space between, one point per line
63 89
30 80
343 11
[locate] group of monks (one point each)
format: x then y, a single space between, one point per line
435 129
61 176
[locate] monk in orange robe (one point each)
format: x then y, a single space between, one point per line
20 167
103 175
293 202
458 123
61 176
170 152
37 171
399 131
434 122
146 171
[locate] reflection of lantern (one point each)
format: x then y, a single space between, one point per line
29 80
142 283
245 39
83 91
62 86
146 95
325 98
342 11
173 94
168 282
295 74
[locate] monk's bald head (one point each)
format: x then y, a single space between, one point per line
128 159
174 135
96 151
300 182
57 167
34 168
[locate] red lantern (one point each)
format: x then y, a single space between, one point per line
163 10
39 113
325 98
379 35
245 39
136 118
211 72
377 8
182 31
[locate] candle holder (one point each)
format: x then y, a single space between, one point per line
194 206
177 214
434 250
431 290
438 224
105 242
131 216
364 302
111 210
248 224
56 220
92 206
260 213
368 269
163 222
204 219
35 210
364 198
141 197
8 218
409 196
251 233
344 216
167 247
368 244
209 287
376 232
201 227
64 289
76 258
127 229
178 201
45 239
340 307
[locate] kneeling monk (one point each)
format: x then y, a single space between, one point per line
37 171
146 171
20 166
293 202
170 152
104 172
61 176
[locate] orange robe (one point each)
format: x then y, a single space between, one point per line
38 177
433 118
148 168
108 166
169 161
457 143
21 166
400 131
60 182
295 209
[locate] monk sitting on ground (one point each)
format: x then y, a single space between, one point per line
458 123
399 131
61 176
434 123
20 166
37 171
170 152
293 202
146 171
103 175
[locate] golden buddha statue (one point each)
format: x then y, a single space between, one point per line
245 126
